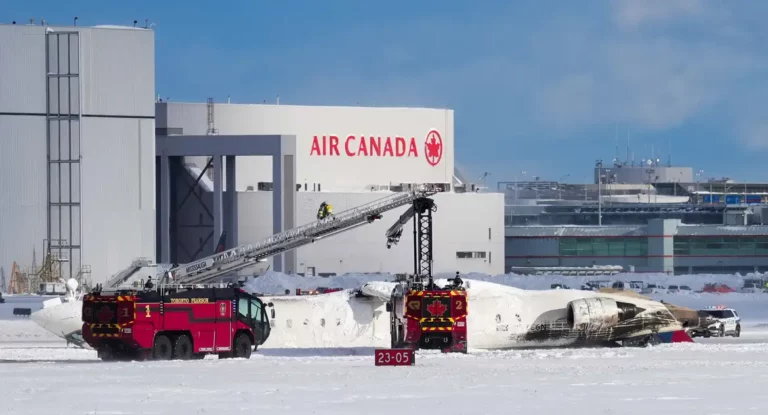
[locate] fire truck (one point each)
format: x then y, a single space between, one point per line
424 315
174 323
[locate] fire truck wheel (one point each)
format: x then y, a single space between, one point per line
182 349
163 349
243 346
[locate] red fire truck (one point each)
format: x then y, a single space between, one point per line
174 323
424 315
433 318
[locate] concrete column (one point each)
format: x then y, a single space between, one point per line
661 245
164 230
289 207
218 183
277 205
230 204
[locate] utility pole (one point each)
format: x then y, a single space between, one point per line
599 165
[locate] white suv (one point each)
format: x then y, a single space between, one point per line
727 322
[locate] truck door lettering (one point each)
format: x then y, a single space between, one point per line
146 309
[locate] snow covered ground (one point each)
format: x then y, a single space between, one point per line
719 376
39 374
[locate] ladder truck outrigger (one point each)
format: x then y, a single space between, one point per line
424 315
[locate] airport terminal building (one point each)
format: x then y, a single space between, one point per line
96 172
651 218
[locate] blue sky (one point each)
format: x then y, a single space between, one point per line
545 87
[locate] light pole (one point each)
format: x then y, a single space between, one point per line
517 184
599 165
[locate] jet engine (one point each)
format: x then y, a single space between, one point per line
599 313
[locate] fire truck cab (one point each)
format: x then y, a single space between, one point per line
429 318
174 323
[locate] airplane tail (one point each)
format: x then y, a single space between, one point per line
220 246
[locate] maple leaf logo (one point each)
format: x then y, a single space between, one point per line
437 308
105 314
434 148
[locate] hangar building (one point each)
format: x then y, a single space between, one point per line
84 144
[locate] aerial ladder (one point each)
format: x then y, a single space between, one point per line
129 271
422 314
207 270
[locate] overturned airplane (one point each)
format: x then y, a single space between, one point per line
500 317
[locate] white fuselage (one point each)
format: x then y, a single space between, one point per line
499 317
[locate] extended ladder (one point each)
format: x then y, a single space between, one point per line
128 272
212 267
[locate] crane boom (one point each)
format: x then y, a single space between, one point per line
232 260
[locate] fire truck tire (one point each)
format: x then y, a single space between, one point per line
182 348
163 348
243 346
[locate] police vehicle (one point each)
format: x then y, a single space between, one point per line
725 322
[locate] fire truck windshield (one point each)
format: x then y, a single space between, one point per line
249 311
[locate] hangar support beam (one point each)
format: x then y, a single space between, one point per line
282 149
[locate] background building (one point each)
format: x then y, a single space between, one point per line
345 156
76 147
663 245
78 167
664 222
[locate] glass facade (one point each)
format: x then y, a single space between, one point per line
601 247
721 245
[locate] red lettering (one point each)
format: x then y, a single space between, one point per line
363 147
334 145
315 147
346 145
399 146
375 146
412 148
367 146
387 147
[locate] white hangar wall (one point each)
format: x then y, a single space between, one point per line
339 148
99 194
463 223
466 223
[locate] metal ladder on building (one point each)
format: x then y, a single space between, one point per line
215 266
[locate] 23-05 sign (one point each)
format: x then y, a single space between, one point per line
395 357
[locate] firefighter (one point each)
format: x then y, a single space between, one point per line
457 280
324 211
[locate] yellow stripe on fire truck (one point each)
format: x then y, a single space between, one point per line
436 320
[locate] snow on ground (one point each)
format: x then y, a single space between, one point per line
723 376
711 376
